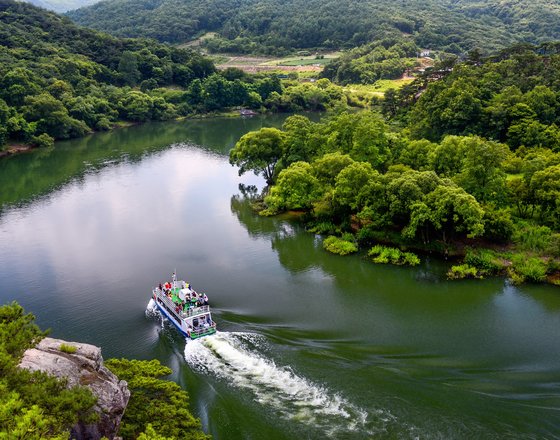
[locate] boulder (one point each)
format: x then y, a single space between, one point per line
83 367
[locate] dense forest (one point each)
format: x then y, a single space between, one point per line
275 27
58 80
385 59
35 406
470 157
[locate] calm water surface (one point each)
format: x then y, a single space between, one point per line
311 345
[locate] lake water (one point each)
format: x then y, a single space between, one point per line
311 345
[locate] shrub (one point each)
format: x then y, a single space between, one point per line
411 259
553 248
103 124
155 405
498 225
532 238
324 227
65 348
462 271
486 261
339 246
388 255
42 141
528 269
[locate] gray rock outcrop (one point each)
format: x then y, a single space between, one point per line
83 367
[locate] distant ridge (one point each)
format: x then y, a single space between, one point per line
275 25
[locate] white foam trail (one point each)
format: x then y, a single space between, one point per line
227 356
151 308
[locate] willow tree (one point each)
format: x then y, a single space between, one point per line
259 151
447 210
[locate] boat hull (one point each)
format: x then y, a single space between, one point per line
170 318
186 323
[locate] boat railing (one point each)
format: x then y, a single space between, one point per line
194 311
203 331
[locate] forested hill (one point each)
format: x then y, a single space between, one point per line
271 26
58 80
28 35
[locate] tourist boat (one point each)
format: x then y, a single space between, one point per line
184 307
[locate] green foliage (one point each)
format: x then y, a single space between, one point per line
18 333
481 174
42 141
526 268
65 81
151 434
276 27
545 186
296 188
532 238
510 97
328 166
32 404
259 152
498 224
447 209
339 246
389 255
66 348
323 228
486 261
369 63
157 408
462 271
351 182
128 68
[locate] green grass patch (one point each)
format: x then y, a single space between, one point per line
378 88
66 348
323 228
532 238
479 263
462 271
339 246
531 269
389 255
486 261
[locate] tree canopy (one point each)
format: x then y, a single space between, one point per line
274 26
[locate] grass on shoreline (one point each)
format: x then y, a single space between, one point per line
379 88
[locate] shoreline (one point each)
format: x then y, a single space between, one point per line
17 148
454 254
12 149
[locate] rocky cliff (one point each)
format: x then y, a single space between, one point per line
83 367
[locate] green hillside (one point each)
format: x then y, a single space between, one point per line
274 26
59 80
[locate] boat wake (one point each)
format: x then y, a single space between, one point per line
229 356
